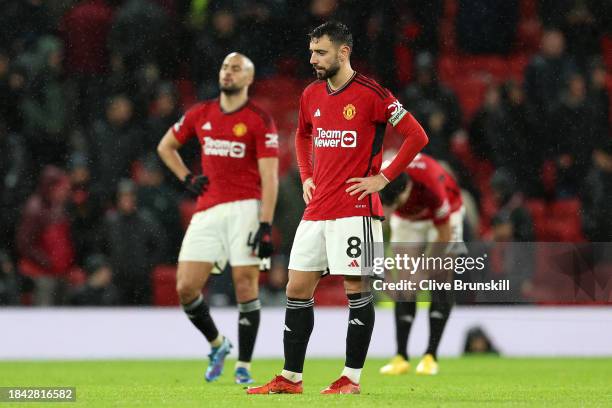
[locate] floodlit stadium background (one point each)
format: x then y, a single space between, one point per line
515 98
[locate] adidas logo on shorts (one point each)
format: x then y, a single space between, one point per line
354 264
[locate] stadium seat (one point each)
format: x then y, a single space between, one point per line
568 220
549 286
558 221
528 35
606 49
330 292
187 209
404 57
537 210
528 9
470 91
554 284
448 67
482 65
516 66
567 208
548 175
536 207
187 93
164 286
76 277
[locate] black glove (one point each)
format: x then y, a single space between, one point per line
262 241
196 184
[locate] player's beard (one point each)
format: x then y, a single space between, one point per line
329 72
230 90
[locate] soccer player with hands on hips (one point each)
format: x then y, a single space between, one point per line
237 193
427 215
342 120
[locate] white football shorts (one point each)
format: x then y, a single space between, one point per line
344 245
221 233
403 230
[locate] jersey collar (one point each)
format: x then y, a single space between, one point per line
342 88
238 109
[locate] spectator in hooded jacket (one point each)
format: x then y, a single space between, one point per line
597 196
9 286
99 289
44 241
135 243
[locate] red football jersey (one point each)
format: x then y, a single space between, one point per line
345 128
434 194
231 144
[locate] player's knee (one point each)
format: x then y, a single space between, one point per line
297 291
186 291
355 284
246 289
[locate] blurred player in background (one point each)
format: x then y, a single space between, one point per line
342 121
237 193
427 208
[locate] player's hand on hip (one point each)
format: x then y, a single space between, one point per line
196 184
261 242
309 189
366 185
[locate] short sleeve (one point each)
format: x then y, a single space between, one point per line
266 139
184 128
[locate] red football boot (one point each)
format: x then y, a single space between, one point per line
342 386
279 385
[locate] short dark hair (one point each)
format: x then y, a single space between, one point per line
337 32
389 194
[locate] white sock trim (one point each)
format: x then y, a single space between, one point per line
353 374
197 302
243 364
217 342
292 376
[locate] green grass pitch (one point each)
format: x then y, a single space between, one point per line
475 381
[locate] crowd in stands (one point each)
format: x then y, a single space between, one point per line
514 96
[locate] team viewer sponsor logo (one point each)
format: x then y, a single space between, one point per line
396 112
335 138
223 148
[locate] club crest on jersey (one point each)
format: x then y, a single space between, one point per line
239 129
349 111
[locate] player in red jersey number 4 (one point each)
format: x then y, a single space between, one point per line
236 198
342 121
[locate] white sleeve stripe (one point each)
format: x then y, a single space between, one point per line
271 140
443 210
